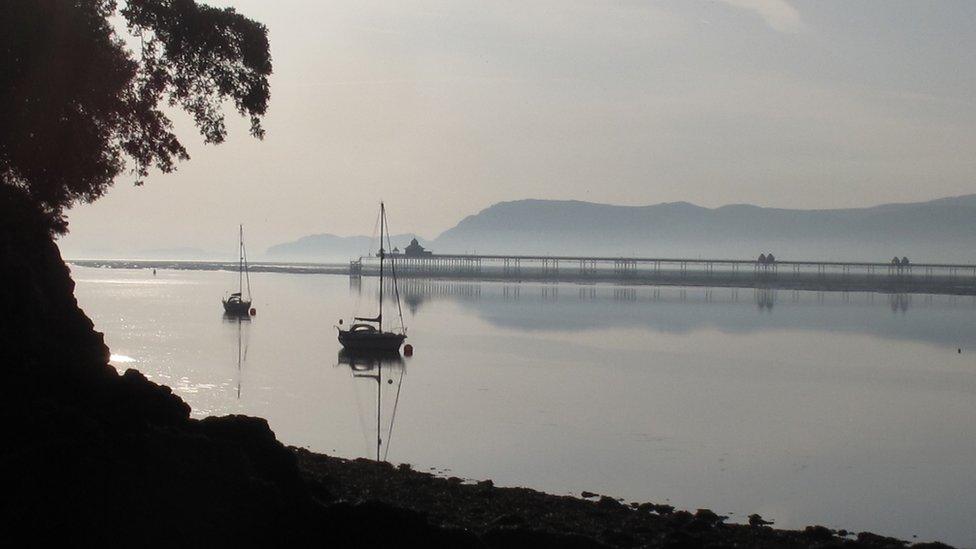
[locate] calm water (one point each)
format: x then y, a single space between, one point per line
848 410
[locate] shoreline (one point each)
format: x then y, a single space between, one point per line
518 516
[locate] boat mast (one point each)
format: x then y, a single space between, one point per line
247 273
240 261
382 255
396 288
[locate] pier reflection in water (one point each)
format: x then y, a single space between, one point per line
386 369
416 292
678 309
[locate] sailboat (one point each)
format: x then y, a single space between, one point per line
366 334
236 303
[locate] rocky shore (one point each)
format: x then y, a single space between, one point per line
90 455
507 517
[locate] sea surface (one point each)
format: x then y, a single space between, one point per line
851 410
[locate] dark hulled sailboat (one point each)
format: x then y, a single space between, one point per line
236 303
366 334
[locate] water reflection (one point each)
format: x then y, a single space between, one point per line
242 323
937 319
386 369
900 302
765 298
418 292
648 392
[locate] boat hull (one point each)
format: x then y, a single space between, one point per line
237 308
371 341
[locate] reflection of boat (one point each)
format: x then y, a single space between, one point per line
241 350
364 361
370 365
236 303
366 333
234 317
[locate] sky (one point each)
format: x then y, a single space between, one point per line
442 108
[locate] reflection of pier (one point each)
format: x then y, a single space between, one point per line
417 291
899 302
530 307
414 291
826 275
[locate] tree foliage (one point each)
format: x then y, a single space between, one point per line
78 107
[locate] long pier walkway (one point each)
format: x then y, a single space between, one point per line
861 275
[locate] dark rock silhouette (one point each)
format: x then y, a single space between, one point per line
517 517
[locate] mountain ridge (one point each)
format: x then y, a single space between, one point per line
330 246
942 229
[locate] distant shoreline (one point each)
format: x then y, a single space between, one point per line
203 265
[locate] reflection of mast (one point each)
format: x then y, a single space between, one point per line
240 357
370 366
396 400
242 344
379 407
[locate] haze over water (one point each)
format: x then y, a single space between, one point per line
849 410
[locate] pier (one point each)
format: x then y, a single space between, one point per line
816 275
932 278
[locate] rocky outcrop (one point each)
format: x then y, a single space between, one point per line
519 517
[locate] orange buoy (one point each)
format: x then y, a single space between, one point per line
408 349
253 311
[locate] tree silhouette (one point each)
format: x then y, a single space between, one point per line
78 107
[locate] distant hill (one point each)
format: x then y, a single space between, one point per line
939 230
329 247
942 230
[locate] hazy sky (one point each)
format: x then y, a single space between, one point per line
442 108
